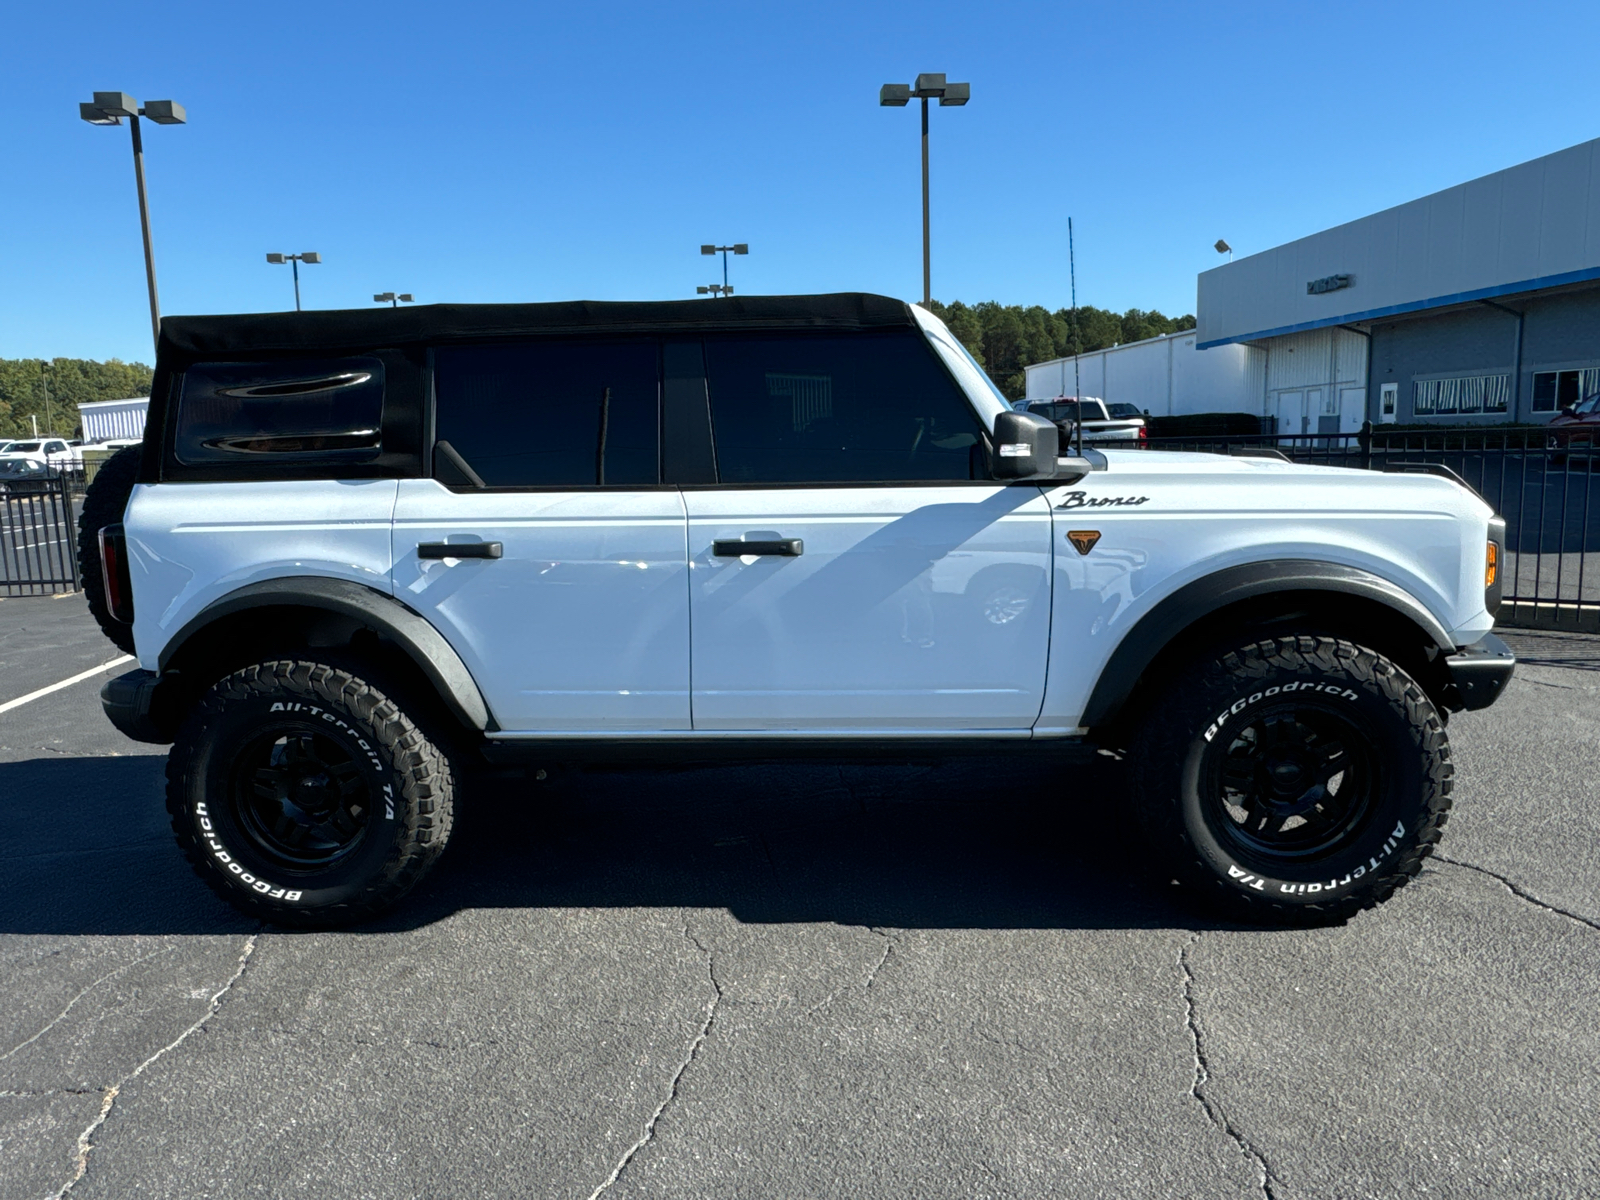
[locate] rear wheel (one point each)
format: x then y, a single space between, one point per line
1293 780
304 795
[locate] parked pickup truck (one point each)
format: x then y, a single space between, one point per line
1098 424
361 553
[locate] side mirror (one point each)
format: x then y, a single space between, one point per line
1025 446
1569 411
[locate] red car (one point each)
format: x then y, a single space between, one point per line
1576 427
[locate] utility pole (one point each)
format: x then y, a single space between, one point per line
898 95
108 108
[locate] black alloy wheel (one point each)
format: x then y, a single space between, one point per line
1296 779
300 797
1293 785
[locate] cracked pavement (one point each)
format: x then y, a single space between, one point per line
923 980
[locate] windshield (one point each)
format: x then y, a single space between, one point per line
1125 410
1592 404
962 365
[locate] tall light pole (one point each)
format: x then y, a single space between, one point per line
950 95
294 260
392 300
738 248
108 108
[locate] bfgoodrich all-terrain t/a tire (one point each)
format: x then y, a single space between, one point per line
304 795
1296 780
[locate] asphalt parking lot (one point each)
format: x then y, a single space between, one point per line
923 980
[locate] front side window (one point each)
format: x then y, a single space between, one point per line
859 408
289 411
552 414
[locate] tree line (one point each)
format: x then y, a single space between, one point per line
1005 338
52 391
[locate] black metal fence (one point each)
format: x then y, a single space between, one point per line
38 535
1548 493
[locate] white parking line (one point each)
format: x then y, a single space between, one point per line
65 683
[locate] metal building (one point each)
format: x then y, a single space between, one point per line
1477 304
107 419
1163 376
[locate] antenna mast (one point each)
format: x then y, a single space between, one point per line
1077 388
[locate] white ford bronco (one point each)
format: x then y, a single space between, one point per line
361 554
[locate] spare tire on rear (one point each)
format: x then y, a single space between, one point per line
104 504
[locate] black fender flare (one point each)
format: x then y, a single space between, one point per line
408 629
1156 630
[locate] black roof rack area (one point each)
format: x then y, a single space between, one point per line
338 329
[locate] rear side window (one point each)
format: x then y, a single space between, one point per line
552 414
862 408
292 411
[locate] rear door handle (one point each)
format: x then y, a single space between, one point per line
460 550
734 548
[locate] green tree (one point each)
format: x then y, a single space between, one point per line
1005 339
52 391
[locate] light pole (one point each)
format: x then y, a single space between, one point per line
950 95
108 108
392 300
294 260
714 289
738 248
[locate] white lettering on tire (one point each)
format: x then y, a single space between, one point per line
1238 706
220 853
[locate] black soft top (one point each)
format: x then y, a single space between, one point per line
190 338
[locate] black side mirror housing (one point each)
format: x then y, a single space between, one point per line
1025 446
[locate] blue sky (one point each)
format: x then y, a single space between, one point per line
539 151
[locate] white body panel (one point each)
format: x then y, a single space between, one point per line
1201 513
192 543
912 608
582 625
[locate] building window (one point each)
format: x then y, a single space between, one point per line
1555 390
1469 397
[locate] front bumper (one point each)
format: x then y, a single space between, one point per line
1479 672
134 703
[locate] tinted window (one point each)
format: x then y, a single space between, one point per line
858 408
281 411
557 414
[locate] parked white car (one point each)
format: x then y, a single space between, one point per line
1099 424
770 526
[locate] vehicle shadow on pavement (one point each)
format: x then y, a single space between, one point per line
1021 842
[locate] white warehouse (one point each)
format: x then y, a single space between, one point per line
1164 376
107 419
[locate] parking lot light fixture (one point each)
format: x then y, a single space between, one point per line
109 108
391 299
736 248
294 260
714 289
929 86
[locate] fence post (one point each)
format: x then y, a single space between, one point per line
1364 440
69 530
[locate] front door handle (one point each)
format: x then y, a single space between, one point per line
734 548
460 550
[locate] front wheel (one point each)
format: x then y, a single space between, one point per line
1295 780
304 795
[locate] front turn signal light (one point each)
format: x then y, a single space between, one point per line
1491 565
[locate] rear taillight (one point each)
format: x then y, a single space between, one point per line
1491 573
114 571
1143 433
